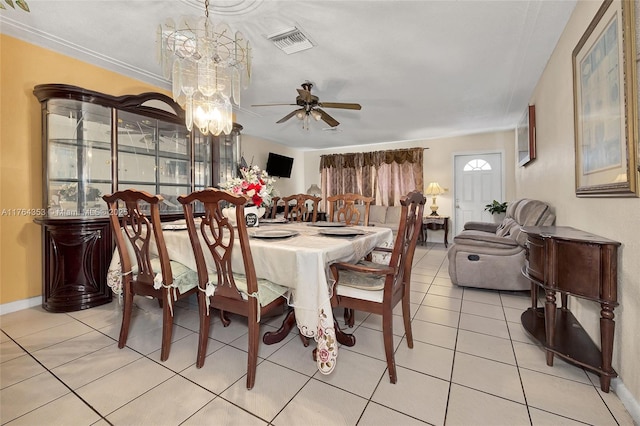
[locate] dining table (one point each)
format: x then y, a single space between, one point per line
296 255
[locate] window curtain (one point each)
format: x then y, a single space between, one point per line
384 175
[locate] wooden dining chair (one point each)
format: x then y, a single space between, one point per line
272 211
296 209
378 288
342 208
220 287
145 270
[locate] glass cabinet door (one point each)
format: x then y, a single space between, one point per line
201 161
154 156
226 156
78 158
150 151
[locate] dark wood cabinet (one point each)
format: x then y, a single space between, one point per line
77 255
572 262
94 144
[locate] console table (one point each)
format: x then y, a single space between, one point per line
434 223
574 263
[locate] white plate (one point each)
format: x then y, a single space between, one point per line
174 227
277 220
276 233
341 232
323 224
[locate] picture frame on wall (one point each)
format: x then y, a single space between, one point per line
526 136
604 104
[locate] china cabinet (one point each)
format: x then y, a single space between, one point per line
94 144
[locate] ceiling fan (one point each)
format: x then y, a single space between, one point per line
310 107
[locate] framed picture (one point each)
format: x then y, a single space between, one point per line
604 104
526 136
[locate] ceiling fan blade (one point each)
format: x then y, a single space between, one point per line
261 105
339 105
327 118
288 116
305 95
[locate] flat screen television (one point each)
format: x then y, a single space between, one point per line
279 165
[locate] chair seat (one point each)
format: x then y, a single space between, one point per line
358 293
362 285
267 290
184 279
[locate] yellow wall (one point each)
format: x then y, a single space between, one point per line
23 66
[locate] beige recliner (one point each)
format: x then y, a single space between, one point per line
491 255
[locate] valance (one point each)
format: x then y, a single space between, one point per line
368 159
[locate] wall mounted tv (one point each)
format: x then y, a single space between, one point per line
279 165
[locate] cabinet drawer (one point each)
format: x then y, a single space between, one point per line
535 257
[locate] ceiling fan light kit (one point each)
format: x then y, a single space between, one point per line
208 66
310 107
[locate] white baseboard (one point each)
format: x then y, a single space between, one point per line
18 305
627 399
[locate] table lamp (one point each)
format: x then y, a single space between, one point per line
434 189
314 190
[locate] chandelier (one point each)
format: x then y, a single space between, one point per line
208 65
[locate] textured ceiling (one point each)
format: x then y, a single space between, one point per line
420 69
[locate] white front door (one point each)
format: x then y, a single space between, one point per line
478 181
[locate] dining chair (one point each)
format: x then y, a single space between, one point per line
272 211
220 287
146 268
378 288
342 208
296 209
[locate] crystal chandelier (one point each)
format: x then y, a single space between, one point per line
208 66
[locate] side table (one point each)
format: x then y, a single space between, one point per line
579 264
435 223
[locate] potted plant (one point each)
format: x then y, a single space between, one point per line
497 209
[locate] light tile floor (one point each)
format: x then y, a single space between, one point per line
472 364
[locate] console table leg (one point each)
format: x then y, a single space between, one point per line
607 329
550 323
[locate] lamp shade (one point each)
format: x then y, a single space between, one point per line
434 188
314 190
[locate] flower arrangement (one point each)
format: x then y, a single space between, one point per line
253 183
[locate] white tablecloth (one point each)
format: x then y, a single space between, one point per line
300 263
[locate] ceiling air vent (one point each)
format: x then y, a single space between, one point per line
291 40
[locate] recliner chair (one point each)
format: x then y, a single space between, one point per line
491 255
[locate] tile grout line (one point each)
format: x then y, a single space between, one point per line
58 379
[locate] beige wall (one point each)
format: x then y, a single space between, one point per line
551 178
256 151
437 164
23 66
